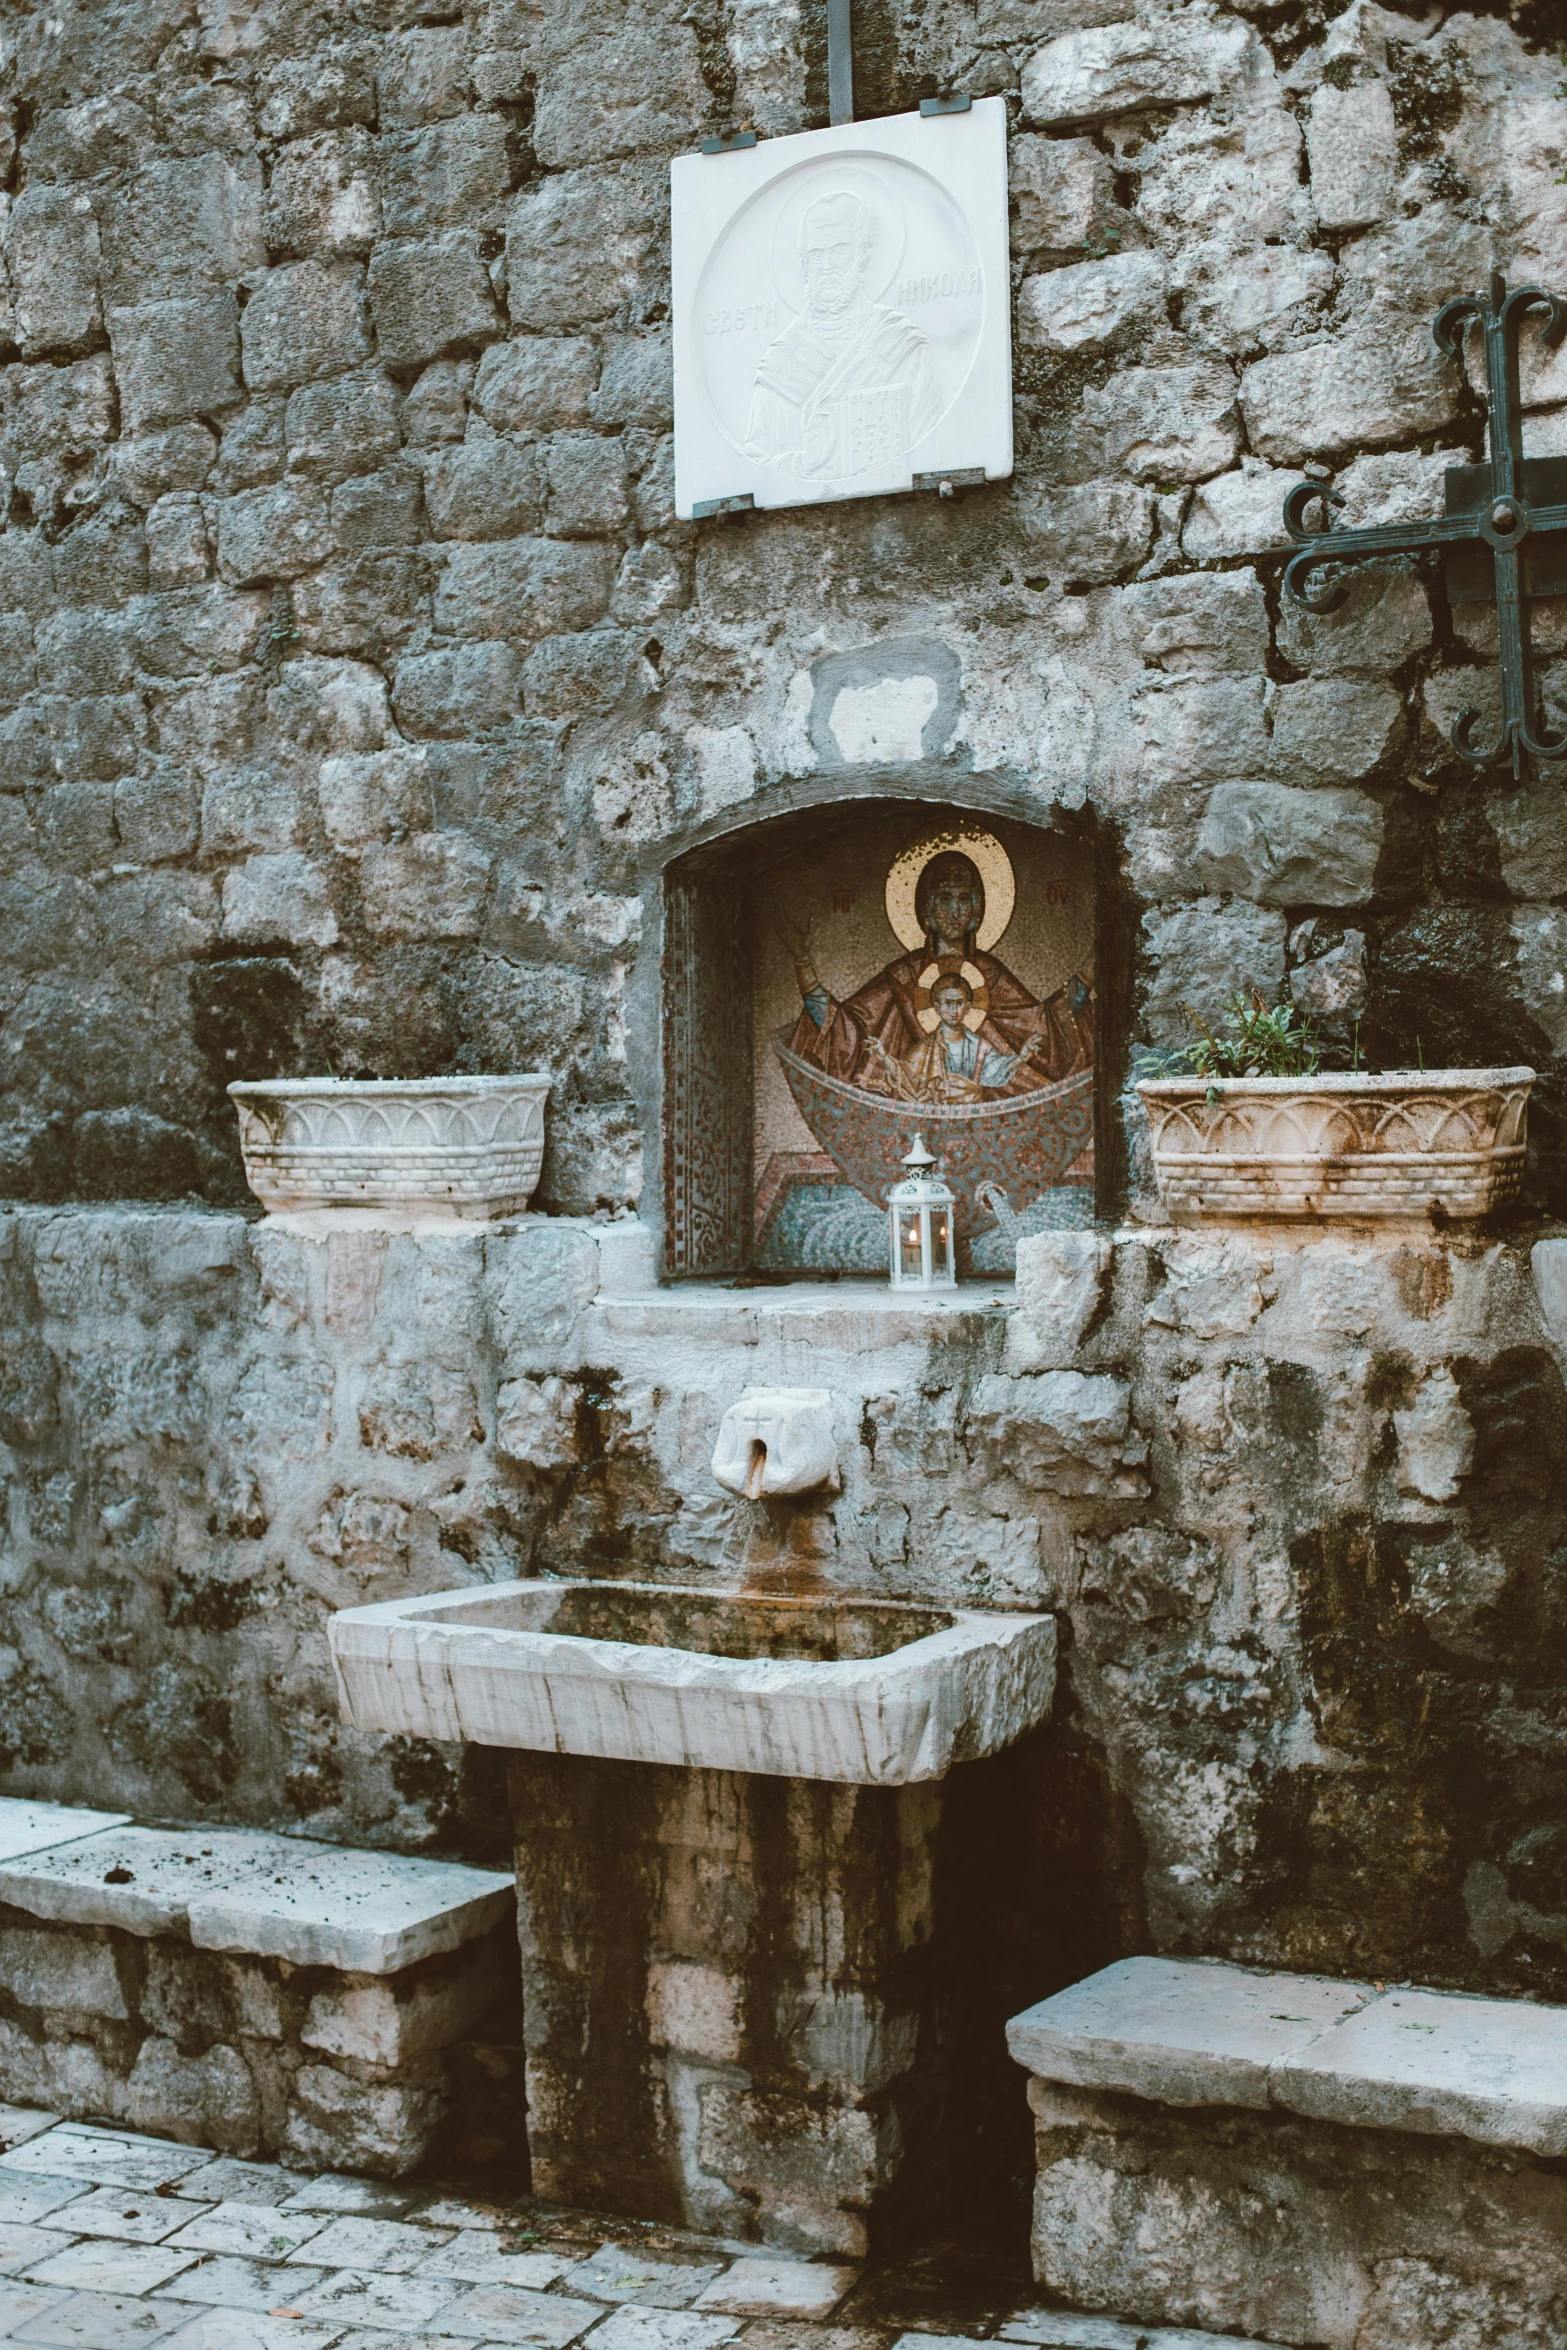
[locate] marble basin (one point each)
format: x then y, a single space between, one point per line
871 1692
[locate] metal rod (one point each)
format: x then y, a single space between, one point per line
840 61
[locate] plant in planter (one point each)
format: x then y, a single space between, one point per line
1254 1126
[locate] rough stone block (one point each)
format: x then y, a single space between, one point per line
273 533
468 689
578 244
339 2123
1204 954
1061 189
454 174
592 671
333 86
523 588
431 887
638 384
348 425
278 897
373 795
423 76
430 297
322 196
45 1969
1092 305
1166 424
587 485
1352 144
1060 1287
1384 385
182 222
1196 728
536 1422
627 89
302 321
536 385
380 511
489 488
389 2020
208 2100
1120 68
51 261
1284 847
179 550
155 815
1065 1432
1199 622
175 358
1086 535
152 464
1334 726
1385 617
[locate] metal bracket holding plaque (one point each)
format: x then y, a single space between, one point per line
841 306
1499 533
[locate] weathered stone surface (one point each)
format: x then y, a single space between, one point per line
1061 189
1381 386
1333 726
1352 144
1092 304
523 588
1285 847
175 358
578 245
1167 424
1118 67
536 384
429 297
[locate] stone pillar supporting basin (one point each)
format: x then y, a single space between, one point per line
750 1837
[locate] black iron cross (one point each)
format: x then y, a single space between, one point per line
1498 529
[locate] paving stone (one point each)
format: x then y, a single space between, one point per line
1059 2330
664 2329
474 2258
232 2282
105 2158
758 2288
100 2321
98 2267
356 2297
133 2217
232 2181
20 2305
22 2245
616 2273
23 2199
507 2313
383 2245
228 2329
450 2211
256 2231
18 2123
366 2198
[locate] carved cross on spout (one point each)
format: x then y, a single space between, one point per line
1509 505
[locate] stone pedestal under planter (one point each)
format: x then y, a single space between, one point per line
429 1146
1406 1144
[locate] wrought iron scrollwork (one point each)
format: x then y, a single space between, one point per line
1509 505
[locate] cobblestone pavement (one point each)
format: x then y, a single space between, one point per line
109 2239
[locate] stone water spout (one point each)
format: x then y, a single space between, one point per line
777 1440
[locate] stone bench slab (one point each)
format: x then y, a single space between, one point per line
1190 2032
34 1827
243 1890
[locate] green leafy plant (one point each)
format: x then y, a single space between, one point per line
1252 1039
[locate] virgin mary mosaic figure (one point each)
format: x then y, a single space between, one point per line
948 1021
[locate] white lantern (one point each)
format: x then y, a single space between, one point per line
920 1215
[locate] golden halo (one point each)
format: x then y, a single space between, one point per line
983 850
925 1011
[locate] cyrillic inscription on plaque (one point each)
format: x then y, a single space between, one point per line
841 311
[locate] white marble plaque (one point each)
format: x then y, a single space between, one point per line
842 311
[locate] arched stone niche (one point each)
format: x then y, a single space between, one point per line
804 1045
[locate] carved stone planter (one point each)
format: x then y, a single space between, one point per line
428 1146
1446 1142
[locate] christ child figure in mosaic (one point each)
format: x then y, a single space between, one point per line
884 1037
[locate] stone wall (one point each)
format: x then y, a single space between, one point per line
357 676
359 683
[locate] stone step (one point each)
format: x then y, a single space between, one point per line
1291 2156
299 1999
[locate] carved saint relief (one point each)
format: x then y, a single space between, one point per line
841 311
